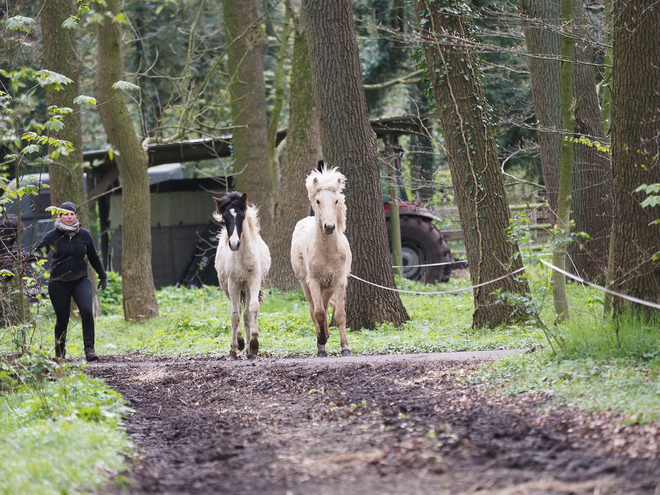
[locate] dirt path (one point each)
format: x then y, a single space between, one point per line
403 424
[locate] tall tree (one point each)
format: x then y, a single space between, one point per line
139 293
542 36
635 145
349 143
473 161
591 202
301 154
247 44
60 55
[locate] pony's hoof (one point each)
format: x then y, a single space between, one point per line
241 344
233 355
254 346
251 356
322 354
345 352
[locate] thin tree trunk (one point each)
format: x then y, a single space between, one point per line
247 46
566 166
138 285
543 42
592 178
349 143
473 163
300 158
60 55
635 144
271 145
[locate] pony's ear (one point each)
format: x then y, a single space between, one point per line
244 197
315 181
217 205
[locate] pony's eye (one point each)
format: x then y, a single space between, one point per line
337 202
318 202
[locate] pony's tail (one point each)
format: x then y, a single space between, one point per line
244 297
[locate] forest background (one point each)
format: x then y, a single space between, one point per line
521 102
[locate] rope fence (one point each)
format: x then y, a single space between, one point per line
549 265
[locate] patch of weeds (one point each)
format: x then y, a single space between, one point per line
597 370
60 430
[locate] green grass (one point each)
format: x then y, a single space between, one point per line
61 431
595 370
197 322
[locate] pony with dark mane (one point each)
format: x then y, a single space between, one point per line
242 261
321 256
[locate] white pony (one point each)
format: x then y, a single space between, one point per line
242 261
321 256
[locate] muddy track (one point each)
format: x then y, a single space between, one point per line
380 426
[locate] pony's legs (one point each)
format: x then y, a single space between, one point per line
308 296
340 318
251 318
319 316
235 299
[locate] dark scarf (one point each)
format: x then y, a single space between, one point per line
70 230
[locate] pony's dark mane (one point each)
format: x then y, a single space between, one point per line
231 200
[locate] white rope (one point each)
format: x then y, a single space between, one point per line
431 264
441 292
623 296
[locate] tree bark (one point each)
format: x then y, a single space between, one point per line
301 155
592 176
562 234
541 27
61 56
635 144
139 293
349 143
473 163
247 46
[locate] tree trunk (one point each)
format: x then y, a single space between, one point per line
349 143
273 124
137 276
562 234
60 55
543 41
635 144
473 163
592 176
247 46
301 155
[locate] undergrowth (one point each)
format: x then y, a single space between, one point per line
603 366
61 431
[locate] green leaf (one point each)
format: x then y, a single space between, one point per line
53 110
31 148
19 23
55 125
125 85
70 23
52 79
82 100
651 201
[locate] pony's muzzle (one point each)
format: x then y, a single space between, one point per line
328 229
234 247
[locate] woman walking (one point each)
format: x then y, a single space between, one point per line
72 246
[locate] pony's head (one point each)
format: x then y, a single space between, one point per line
324 189
231 211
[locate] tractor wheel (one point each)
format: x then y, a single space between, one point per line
421 244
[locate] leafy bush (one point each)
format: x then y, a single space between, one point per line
111 298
